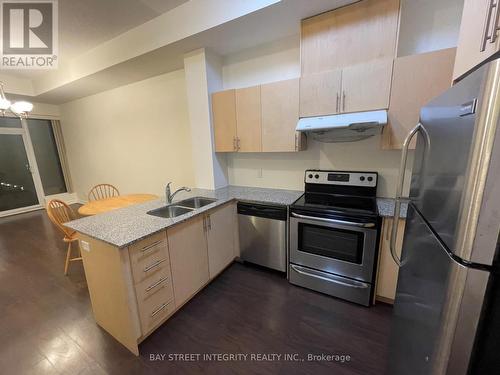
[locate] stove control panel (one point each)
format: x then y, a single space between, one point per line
366 179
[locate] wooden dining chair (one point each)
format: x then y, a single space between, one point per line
103 191
60 213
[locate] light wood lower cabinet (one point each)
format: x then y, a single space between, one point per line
220 239
387 275
136 289
188 258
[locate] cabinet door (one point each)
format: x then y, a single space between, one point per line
387 276
188 258
320 93
366 87
220 235
248 119
473 29
412 88
224 120
349 35
280 113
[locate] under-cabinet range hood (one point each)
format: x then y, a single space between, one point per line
346 127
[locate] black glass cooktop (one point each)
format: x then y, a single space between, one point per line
338 203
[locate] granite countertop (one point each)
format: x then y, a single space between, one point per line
386 207
125 226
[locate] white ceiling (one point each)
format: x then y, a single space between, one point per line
84 24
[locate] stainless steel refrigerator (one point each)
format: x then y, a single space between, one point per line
447 305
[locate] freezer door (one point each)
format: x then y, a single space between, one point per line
450 171
427 305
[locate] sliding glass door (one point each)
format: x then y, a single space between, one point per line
30 164
18 189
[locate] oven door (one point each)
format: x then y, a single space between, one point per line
338 246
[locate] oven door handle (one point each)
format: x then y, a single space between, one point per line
334 221
332 278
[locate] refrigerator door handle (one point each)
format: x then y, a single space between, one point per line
419 128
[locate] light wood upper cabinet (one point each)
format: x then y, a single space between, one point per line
320 93
362 87
354 34
259 118
248 119
473 45
387 275
366 87
220 238
280 114
412 88
224 120
188 258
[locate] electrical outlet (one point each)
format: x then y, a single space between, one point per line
85 246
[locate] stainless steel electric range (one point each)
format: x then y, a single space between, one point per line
334 235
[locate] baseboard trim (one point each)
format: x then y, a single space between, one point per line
389 301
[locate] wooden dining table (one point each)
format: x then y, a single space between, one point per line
104 205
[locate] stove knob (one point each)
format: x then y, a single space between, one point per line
370 178
316 176
362 178
310 176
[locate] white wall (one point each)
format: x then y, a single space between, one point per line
279 61
271 62
429 25
135 137
204 76
286 170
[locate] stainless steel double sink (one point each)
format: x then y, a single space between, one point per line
182 207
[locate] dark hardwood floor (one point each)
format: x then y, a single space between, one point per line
47 327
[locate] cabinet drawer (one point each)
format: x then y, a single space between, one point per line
141 250
149 258
155 308
160 283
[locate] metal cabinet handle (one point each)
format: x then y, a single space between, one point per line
234 144
334 221
343 100
296 142
209 222
154 265
337 103
158 309
332 278
493 38
487 26
149 247
399 189
238 146
159 282
204 224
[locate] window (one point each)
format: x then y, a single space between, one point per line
47 156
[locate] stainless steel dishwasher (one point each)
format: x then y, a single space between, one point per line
263 234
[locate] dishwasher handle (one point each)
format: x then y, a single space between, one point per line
263 211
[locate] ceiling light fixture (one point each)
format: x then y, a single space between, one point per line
21 108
